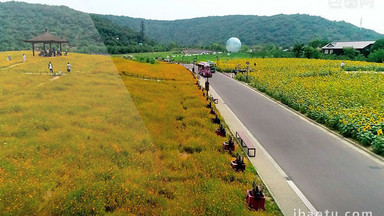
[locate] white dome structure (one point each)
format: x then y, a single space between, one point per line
233 44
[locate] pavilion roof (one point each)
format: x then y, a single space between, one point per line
46 37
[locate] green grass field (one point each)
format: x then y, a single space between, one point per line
99 141
180 57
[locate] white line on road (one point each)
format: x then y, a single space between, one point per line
350 143
298 192
302 197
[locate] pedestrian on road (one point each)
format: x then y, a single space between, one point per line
50 67
68 67
24 58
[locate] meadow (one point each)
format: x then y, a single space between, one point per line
178 56
112 137
349 99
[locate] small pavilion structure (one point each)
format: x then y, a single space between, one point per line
46 38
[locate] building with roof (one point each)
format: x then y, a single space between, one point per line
46 38
337 47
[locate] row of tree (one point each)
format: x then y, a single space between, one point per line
313 50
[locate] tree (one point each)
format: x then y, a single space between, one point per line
317 43
244 48
379 44
298 50
377 56
217 47
173 45
310 52
350 53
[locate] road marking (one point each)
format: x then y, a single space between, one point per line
347 142
296 190
350 143
302 197
274 163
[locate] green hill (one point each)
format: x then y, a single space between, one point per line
86 33
21 21
282 30
90 33
119 39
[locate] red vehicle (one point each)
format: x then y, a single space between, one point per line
204 69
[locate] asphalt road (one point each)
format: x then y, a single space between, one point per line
332 175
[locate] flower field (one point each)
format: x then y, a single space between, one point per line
112 137
350 102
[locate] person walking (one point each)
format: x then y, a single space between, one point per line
50 67
68 67
24 58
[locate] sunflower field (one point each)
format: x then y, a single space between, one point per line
348 99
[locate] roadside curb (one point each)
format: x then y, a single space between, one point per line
283 190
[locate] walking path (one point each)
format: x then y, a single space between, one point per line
11 66
323 171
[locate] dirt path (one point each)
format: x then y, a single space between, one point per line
50 80
14 65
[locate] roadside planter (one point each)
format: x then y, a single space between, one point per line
238 164
221 131
216 120
209 106
255 198
229 145
212 111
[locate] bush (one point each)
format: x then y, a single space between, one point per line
377 56
378 146
298 50
350 53
310 52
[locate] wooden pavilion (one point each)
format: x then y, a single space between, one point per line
46 38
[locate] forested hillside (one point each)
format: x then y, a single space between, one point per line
283 30
90 33
119 39
21 21
86 33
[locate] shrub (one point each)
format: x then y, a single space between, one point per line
377 56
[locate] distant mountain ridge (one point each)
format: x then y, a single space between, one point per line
283 30
90 33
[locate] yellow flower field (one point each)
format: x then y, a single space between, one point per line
99 141
348 101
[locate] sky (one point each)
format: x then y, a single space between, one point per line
368 12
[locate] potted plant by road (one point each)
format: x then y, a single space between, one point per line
221 131
229 145
238 164
255 198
